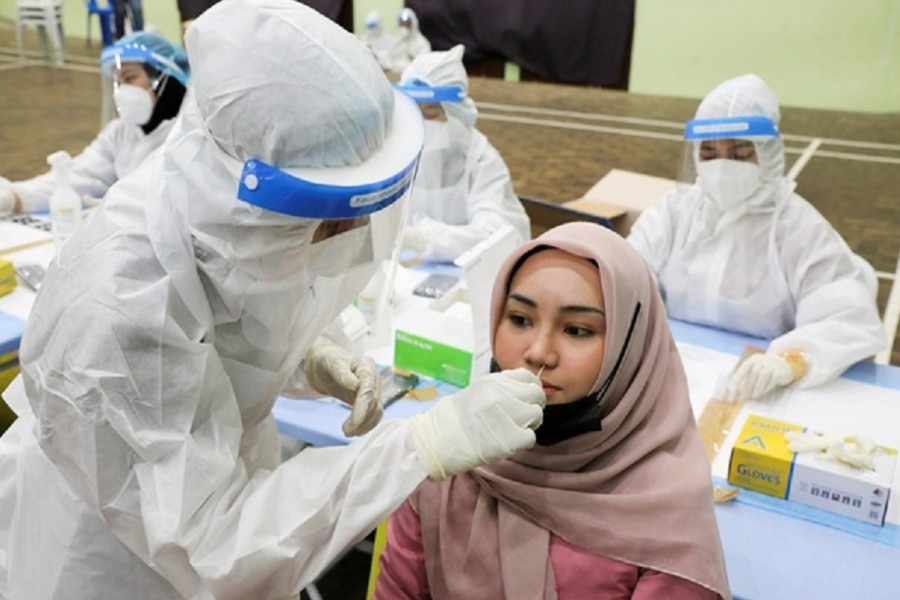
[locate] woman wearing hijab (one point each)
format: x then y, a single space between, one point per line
736 248
150 77
615 499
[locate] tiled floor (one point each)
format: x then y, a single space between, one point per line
557 140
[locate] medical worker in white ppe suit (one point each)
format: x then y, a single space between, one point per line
463 191
408 43
150 76
144 462
739 250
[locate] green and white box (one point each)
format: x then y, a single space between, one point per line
437 341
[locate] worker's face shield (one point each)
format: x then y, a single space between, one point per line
373 23
709 143
138 75
374 193
722 157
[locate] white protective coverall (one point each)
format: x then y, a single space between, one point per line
768 266
463 191
377 39
121 145
408 43
116 151
144 462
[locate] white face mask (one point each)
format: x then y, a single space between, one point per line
437 136
341 253
134 103
728 182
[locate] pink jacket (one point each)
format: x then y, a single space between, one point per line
578 574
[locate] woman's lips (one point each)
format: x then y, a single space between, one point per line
549 388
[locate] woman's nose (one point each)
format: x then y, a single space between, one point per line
541 351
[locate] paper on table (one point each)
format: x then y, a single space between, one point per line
707 372
15 237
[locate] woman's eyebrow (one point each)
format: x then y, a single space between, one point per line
569 308
579 308
524 300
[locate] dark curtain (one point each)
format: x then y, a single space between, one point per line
340 11
329 8
567 41
191 9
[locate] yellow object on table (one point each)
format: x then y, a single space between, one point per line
8 280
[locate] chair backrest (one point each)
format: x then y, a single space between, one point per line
39 4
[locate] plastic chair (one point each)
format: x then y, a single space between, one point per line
104 15
891 318
46 16
377 548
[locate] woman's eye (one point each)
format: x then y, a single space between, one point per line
576 331
517 319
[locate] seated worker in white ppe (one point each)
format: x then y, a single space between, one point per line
738 249
463 192
150 75
377 39
408 43
144 462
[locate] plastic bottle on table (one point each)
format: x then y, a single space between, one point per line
65 205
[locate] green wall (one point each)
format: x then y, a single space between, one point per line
832 54
387 8
161 14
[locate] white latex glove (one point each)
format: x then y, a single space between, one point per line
91 201
333 371
850 450
757 375
7 198
489 420
415 238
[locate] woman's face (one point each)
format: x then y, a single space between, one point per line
731 149
554 317
133 74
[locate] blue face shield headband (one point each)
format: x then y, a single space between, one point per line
113 57
342 192
273 189
427 94
730 127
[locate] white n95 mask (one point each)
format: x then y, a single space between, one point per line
728 182
134 103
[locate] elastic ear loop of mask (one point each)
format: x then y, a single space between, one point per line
621 357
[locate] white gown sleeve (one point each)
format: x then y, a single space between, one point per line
837 322
137 413
652 233
92 173
491 203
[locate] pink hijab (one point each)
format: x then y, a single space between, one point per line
637 491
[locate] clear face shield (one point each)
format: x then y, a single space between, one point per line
138 76
430 100
721 156
361 210
373 23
